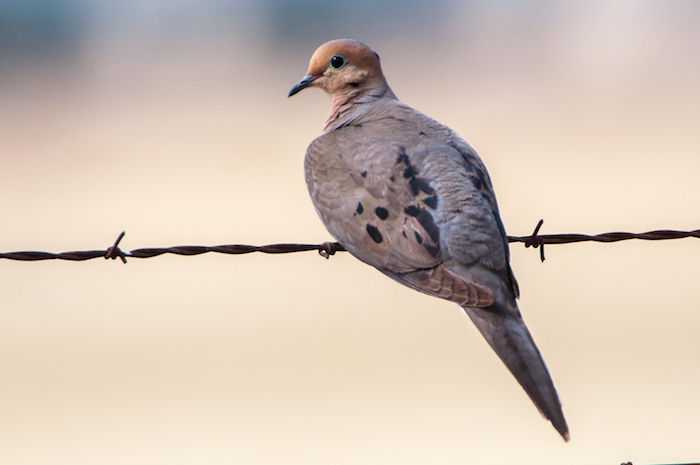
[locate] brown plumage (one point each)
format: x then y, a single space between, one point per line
407 195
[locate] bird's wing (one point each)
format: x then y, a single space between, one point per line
373 200
481 181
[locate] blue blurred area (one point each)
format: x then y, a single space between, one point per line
299 20
40 28
45 28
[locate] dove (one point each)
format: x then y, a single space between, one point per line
408 196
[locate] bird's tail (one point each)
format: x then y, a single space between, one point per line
506 333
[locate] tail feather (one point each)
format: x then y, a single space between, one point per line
508 336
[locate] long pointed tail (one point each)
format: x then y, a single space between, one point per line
508 336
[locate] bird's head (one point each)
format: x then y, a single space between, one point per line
342 68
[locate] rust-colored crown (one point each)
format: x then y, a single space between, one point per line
357 54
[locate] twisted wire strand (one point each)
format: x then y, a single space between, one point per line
327 249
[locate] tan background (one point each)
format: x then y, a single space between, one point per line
171 121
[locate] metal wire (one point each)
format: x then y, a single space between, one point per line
329 248
535 240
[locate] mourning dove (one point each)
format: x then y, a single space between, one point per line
407 195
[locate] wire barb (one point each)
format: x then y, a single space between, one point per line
327 249
114 251
330 248
535 241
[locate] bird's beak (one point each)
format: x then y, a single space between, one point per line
305 82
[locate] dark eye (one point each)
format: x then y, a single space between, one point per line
338 61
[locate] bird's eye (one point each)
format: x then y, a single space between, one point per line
338 61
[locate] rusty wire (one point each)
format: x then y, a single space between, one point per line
327 249
534 240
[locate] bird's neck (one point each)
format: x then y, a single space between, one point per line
347 107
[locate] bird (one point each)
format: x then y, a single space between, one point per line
407 195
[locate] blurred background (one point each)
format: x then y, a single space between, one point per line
170 120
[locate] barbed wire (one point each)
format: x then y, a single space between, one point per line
327 249
534 240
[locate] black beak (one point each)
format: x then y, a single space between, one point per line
303 84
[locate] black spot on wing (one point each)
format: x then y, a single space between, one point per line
431 201
418 237
364 174
434 251
411 210
467 165
413 182
425 187
467 158
382 213
402 158
477 181
483 178
374 234
408 171
426 220
359 208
